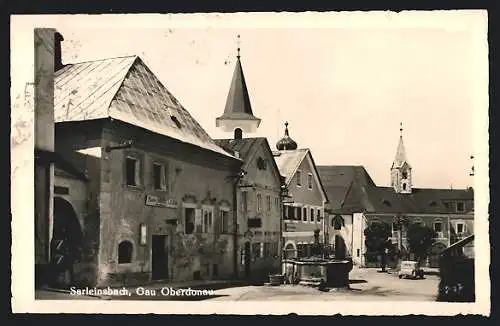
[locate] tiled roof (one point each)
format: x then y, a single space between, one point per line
243 146
246 147
337 180
362 195
125 89
289 161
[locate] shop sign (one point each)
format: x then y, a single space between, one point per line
161 201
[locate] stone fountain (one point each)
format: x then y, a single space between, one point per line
321 269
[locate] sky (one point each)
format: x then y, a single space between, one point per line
344 87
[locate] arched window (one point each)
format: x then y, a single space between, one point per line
125 252
238 133
404 186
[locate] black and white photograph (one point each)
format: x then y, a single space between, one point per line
246 163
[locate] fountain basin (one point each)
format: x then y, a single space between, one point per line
317 272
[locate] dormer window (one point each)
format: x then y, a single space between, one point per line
386 202
460 207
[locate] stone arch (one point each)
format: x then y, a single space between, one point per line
290 249
67 241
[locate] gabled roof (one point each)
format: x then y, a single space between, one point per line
238 101
125 89
246 148
338 179
362 195
60 162
288 162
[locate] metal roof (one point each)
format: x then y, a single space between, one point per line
125 89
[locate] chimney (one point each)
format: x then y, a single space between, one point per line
44 88
58 38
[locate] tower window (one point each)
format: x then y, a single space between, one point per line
404 186
238 133
405 175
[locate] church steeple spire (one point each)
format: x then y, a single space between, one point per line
238 115
401 169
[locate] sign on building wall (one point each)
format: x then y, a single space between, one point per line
161 201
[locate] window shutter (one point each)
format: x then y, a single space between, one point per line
137 172
197 219
164 177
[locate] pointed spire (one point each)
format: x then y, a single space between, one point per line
286 129
238 43
400 157
238 106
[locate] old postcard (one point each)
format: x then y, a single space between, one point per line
251 163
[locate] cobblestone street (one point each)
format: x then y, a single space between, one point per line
366 285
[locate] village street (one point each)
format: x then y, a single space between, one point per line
366 285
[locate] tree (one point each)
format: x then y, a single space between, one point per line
420 239
376 239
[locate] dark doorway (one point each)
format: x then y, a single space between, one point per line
340 249
66 244
247 259
238 133
159 257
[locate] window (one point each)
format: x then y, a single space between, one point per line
357 252
298 216
244 201
438 228
304 214
268 200
132 171
299 177
405 175
259 202
207 214
460 228
318 217
256 250
312 215
404 186
460 207
189 218
125 252
159 177
310 181
277 203
224 221
215 270
291 212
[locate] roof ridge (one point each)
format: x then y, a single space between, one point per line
96 60
120 84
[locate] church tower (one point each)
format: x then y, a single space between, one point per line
401 169
238 116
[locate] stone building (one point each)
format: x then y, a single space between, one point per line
448 212
304 209
159 201
46 61
259 189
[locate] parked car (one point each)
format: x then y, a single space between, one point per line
410 268
456 271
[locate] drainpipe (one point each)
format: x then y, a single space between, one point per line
235 229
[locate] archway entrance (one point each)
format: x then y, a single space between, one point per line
436 249
66 244
289 251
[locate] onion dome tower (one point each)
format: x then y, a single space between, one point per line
286 143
